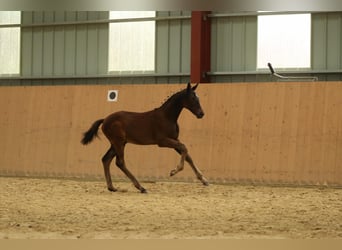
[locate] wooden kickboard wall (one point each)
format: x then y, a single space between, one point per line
268 133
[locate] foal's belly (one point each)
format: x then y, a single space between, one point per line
140 139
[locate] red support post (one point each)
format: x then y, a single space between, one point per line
200 46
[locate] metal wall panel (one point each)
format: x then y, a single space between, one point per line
234 41
64 50
233 45
173 43
326 41
326 51
81 50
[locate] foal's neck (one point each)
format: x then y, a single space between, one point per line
173 106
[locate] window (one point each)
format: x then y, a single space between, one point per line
9 43
131 44
284 41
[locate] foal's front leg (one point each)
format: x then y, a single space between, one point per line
182 150
195 169
179 147
180 166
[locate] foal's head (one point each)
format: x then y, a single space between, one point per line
191 101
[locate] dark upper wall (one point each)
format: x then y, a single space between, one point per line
78 54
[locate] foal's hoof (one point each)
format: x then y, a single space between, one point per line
143 191
112 189
205 182
173 172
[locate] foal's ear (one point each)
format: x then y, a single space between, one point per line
195 87
189 88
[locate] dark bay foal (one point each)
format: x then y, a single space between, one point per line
158 126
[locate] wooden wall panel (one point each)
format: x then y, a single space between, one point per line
272 133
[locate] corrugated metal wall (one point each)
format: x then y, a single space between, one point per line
327 44
82 50
173 39
71 50
233 46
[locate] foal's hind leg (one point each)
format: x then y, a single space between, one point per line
120 162
106 160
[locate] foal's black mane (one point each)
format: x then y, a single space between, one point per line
175 97
173 104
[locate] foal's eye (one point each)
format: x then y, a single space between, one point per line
195 97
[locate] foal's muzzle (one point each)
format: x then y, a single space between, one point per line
199 114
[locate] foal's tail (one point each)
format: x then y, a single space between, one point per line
92 132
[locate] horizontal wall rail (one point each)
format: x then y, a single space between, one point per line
268 13
180 74
104 21
16 77
259 72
